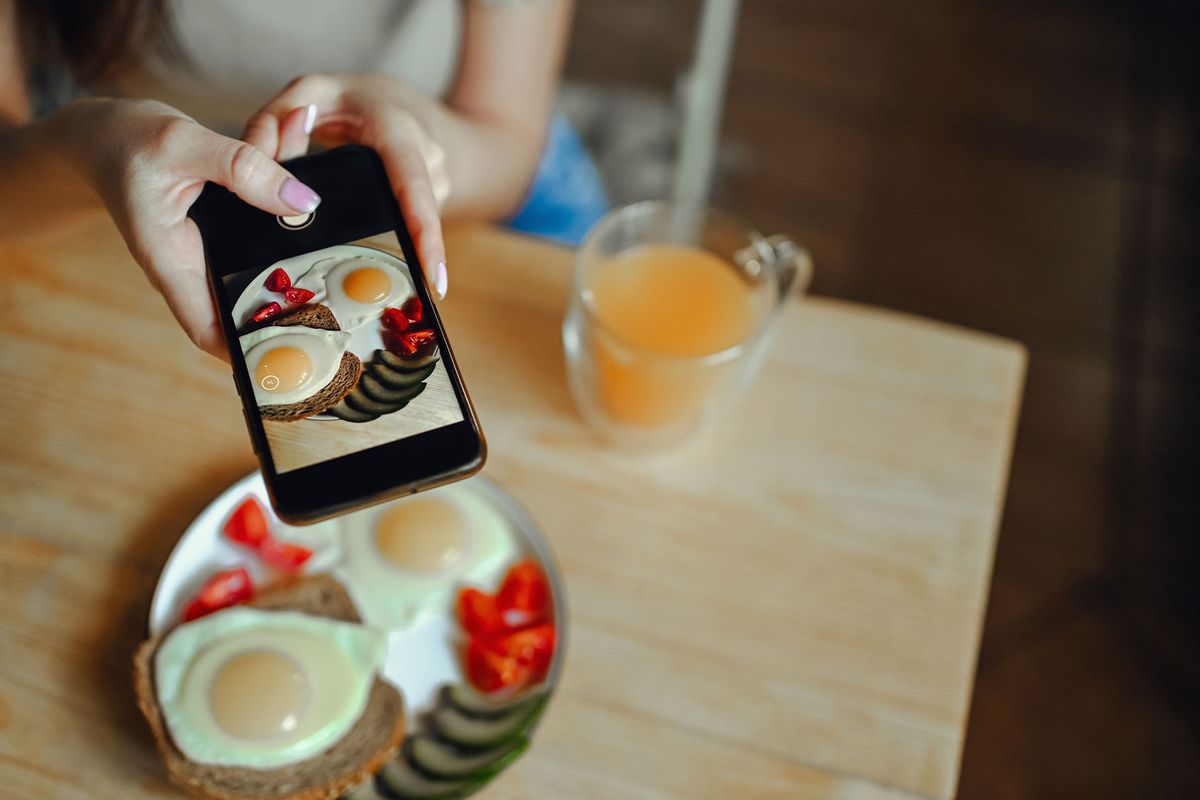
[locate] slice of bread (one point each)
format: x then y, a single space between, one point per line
320 317
375 738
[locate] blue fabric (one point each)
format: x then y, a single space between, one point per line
567 196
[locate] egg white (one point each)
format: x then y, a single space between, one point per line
390 597
324 279
339 658
325 348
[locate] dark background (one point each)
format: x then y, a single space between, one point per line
1029 169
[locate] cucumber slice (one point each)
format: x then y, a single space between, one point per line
445 762
382 394
476 704
399 781
343 411
400 362
399 378
473 733
359 401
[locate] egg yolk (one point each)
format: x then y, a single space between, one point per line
259 695
284 369
367 285
422 535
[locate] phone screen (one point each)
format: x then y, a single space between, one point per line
340 350
350 387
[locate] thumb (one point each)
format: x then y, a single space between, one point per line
247 172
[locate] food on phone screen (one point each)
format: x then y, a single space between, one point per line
268 311
356 289
278 281
300 364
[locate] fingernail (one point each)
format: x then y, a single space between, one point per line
440 280
298 196
310 117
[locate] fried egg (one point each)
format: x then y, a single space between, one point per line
356 288
253 688
292 363
408 558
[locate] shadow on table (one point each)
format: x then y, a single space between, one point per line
128 598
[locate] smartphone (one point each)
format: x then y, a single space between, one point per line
349 385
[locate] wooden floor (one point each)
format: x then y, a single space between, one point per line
1027 168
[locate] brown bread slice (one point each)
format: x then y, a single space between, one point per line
320 317
374 739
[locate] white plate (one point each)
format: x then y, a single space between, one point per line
420 657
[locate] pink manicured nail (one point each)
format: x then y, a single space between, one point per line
310 117
298 196
440 280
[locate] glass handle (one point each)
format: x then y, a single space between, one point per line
793 266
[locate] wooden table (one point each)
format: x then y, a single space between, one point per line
789 608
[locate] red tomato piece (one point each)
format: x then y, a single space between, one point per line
395 320
278 281
532 647
248 524
524 597
283 555
478 615
228 588
417 343
196 609
413 310
269 311
489 671
298 296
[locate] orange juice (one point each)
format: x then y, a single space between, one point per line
662 300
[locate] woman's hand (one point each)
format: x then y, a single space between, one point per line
148 163
382 113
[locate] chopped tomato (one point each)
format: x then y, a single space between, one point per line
524 597
478 615
417 343
532 647
278 281
228 588
413 309
196 609
283 555
269 311
395 320
248 524
298 296
490 671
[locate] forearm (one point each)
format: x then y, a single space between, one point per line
490 165
41 181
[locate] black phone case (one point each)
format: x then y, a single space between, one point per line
356 203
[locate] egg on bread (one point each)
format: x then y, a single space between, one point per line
300 364
278 698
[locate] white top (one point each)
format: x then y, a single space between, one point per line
239 54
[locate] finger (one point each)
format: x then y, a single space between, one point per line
320 90
173 262
397 138
247 172
262 131
294 131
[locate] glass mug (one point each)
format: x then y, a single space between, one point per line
670 317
